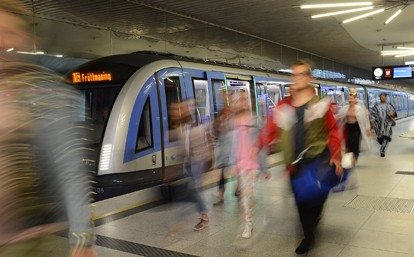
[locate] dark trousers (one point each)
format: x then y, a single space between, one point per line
309 218
383 141
354 139
222 182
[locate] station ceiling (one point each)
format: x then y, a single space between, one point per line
270 28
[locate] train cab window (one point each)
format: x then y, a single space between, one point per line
144 139
173 96
172 90
99 102
219 96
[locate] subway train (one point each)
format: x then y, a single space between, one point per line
129 95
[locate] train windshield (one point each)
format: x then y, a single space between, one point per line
97 105
100 84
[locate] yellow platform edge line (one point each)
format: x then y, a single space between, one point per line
126 208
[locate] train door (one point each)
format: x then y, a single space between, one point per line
268 95
219 92
240 84
262 109
172 92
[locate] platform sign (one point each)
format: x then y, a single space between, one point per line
392 72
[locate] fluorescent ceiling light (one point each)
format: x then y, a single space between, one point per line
384 53
405 48
286 70
409 62
393 16
363 16
22 52
59 55
309 6
10 49
342 12
403 55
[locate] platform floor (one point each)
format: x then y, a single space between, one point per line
374 220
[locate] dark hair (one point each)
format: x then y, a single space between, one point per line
304 62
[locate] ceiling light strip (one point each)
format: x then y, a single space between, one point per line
393 16
309 6
404 55
342 12
405 48
384 53
363 16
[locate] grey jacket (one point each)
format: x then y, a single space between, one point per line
42 157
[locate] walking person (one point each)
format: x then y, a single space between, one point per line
245 129
355 125
223 129
382 118
197 155
42 156
309 137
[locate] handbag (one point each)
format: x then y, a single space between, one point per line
313 182
348 160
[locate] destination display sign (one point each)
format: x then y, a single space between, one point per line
392 72
84 77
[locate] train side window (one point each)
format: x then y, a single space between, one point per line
261 101
202 99
173 96
218 96
144 139
273 95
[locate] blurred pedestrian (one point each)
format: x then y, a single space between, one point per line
223 128
197 156
45 179
382 117
309 139
246 132
355 122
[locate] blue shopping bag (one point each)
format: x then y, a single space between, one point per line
313 182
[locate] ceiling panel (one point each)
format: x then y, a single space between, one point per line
257 27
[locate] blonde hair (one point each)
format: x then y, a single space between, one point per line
304 62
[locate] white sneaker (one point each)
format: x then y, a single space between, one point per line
247 233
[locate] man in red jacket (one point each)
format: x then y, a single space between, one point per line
307 133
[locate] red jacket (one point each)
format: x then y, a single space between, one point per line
272 132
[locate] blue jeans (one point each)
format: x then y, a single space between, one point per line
197 169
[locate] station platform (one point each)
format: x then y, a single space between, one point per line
373 220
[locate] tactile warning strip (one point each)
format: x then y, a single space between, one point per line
382 204
137 249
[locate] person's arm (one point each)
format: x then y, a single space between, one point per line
372 115
66 146
268 134
393 113
334 141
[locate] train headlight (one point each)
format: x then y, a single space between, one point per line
105 157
